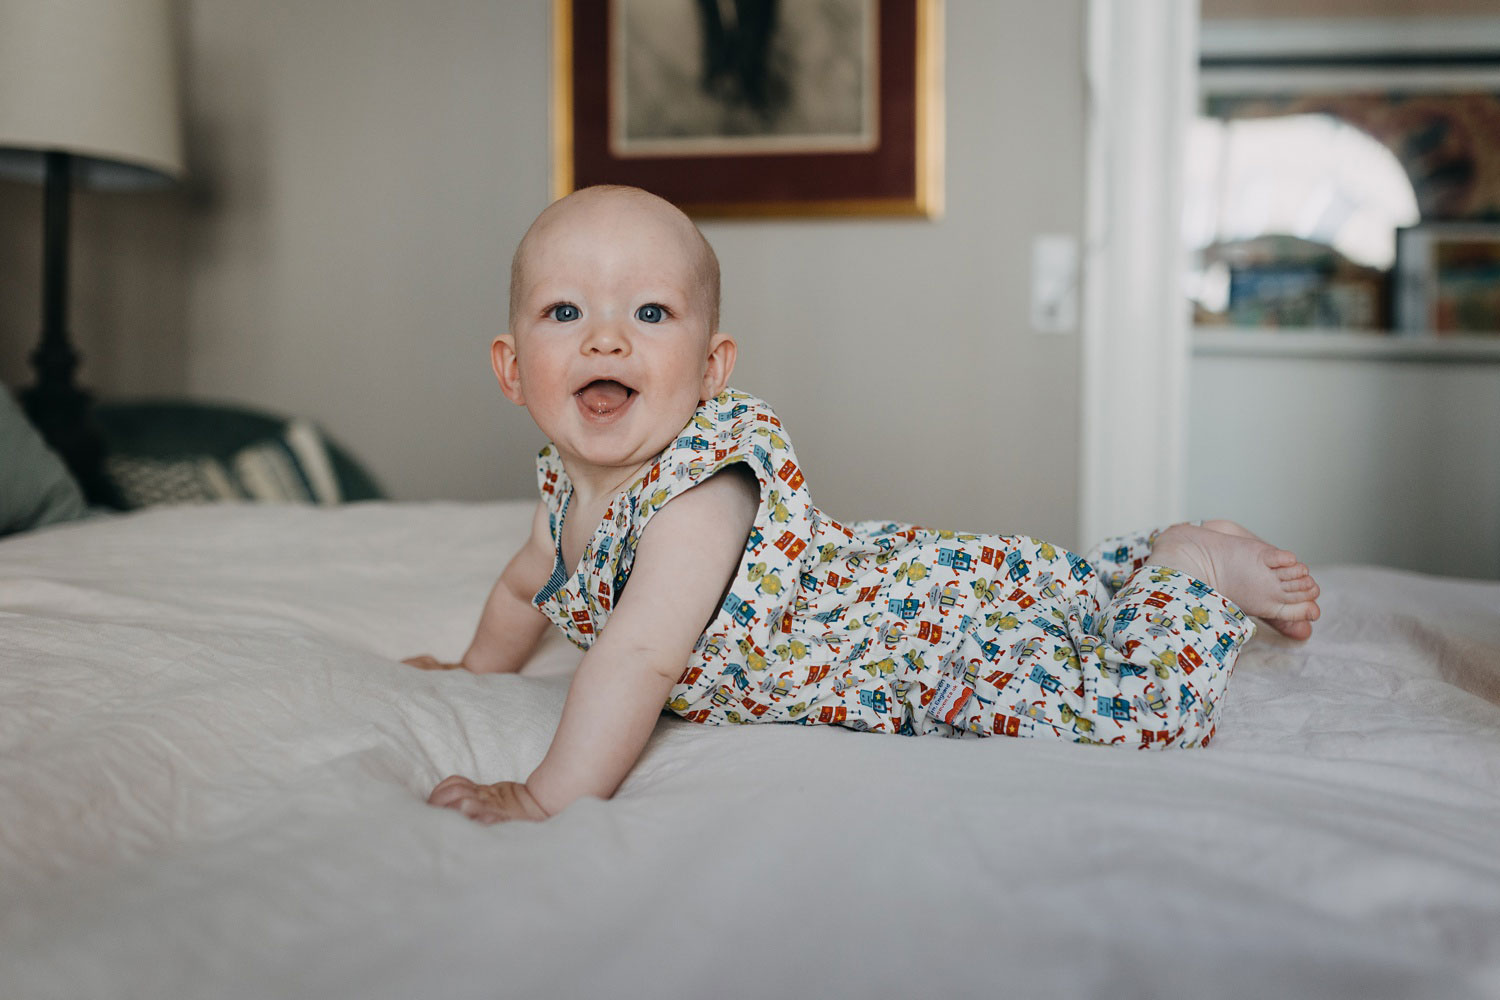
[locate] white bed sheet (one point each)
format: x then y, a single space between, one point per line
212 772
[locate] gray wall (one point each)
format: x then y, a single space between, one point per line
1352 460
361 170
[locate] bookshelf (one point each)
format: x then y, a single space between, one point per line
1355 345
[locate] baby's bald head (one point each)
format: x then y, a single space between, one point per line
612 204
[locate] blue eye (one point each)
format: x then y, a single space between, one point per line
652 313
564 313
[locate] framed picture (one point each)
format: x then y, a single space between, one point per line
752 107
1319 148
1448 279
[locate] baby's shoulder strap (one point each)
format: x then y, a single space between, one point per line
732 427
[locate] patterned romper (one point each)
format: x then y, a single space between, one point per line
898 629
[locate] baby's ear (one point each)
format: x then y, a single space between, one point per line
722 352
507 371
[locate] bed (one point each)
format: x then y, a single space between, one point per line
213 766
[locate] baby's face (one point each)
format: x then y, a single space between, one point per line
610 347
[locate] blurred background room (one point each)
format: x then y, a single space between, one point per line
1316 350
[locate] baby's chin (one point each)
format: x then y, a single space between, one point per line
600 458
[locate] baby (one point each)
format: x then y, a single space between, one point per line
746 603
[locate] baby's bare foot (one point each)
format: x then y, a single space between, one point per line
1262 579
1297 628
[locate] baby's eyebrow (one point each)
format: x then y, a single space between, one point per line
668 292
551 293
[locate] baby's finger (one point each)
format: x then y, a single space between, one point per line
428 663
479 811
450 789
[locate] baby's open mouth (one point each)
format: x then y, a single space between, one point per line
603 396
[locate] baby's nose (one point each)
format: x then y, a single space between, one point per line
607 336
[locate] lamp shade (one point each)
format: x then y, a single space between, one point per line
93 78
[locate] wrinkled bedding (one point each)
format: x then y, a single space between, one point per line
212 773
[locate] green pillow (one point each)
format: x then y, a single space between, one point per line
35 487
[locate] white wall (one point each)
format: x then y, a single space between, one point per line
362 169
900 352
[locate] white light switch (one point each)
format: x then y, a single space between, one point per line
1054 284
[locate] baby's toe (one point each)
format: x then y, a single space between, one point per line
1292 571
1282 561
1291 629
1303 586
1296 608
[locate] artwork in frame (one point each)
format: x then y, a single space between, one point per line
1448 279
1319 148
752 107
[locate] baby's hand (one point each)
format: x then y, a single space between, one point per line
497 803
425 662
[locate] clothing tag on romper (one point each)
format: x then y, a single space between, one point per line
948 700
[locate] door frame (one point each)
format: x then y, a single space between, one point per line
1141 82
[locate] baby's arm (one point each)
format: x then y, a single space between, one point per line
510 625
686 560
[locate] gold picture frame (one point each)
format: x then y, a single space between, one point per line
881 158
